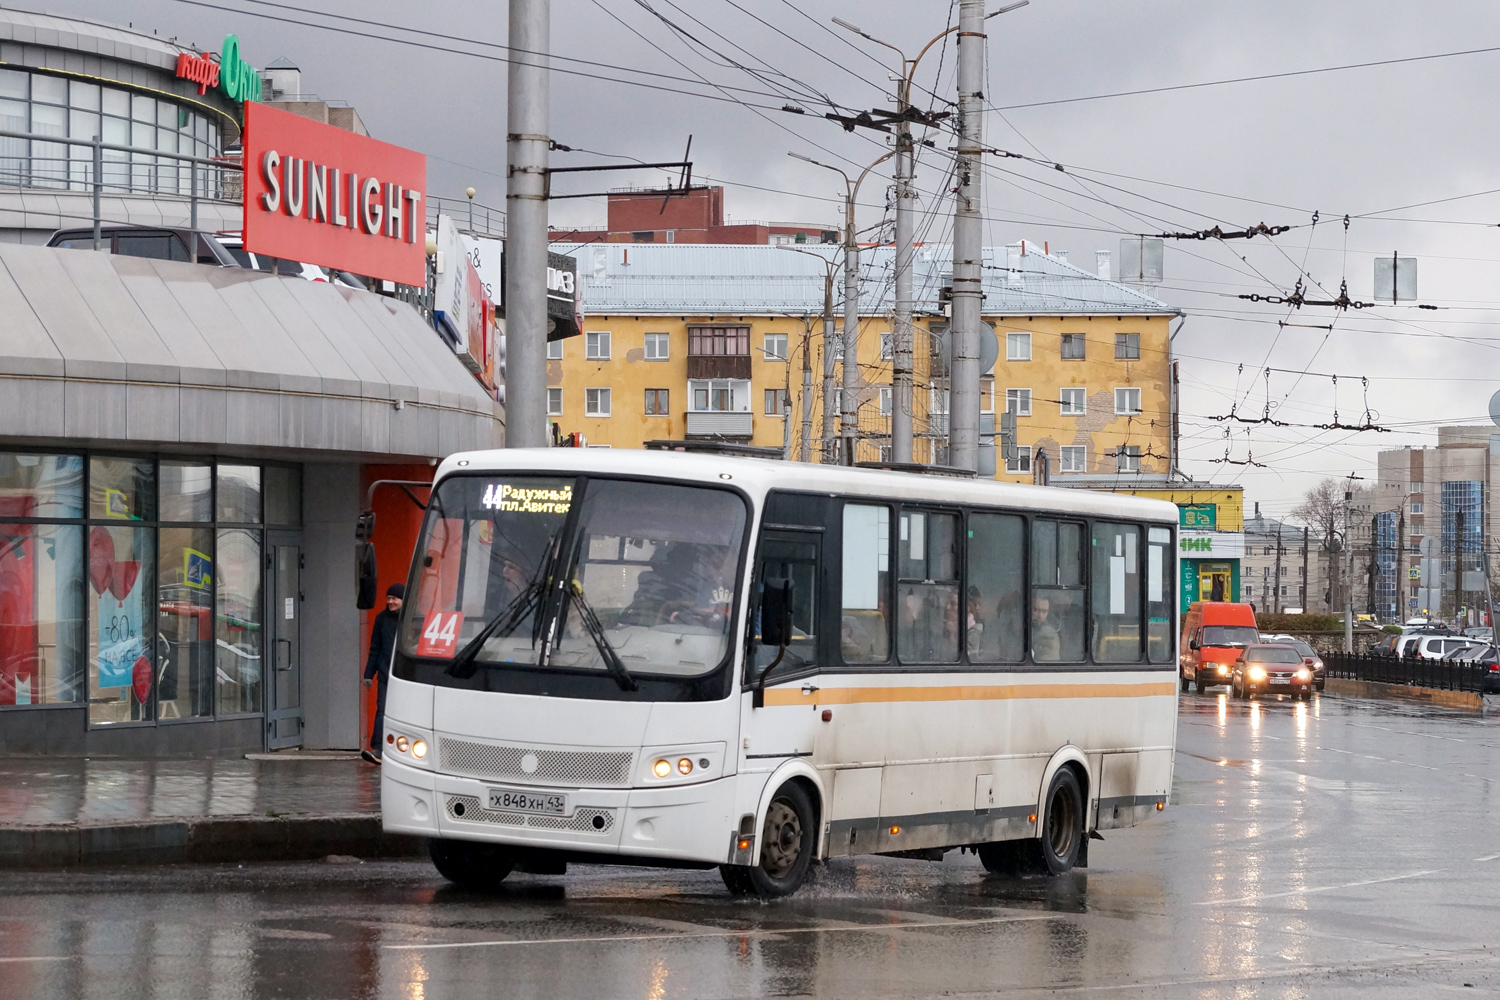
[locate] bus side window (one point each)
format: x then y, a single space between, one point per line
1057 630
1116 593
864 597
927 588
997 588
1160 579
785 556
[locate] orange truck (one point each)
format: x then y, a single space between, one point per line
1214 635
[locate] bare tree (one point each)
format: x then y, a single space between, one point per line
1322 509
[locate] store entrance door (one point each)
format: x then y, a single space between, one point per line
284 713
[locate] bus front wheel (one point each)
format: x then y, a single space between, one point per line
477 866
787 843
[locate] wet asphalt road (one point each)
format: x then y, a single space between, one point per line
1345 848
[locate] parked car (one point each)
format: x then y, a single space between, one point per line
1271 668
156 242
1213 634
1435 647
1486 654
1486 633
235 244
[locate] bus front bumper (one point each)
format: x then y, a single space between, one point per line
690 822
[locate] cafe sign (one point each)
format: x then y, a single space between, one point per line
228 72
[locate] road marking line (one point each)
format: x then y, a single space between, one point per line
753 932
1321 888
40 958
1488 857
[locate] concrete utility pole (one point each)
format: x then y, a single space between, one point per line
901 330
1277 589
526 144
1349 580
804 451
851 307
968 243
826 451
1306 581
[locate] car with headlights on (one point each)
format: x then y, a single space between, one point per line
1271 668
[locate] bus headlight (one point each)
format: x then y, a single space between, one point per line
419 749
1257 673
685 766
661 768
681 765
402 743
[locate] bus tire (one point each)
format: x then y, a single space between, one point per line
1184 682
788 841
1062 822
478 866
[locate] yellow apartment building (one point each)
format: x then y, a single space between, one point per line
707 342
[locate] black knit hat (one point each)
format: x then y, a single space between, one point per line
397 590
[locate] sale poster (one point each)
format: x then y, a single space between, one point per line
121 610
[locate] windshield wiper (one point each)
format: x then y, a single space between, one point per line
505 622
595 629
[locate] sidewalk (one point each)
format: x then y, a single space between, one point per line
71 811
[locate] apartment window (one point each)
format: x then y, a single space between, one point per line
1018 347
775 347
1416 529
658 346
1265 572
554 401
986 395
554 350
1417 487
1018 401
1072 346
658 403
887 347
885 401
596 402
1128 458
596 346
720 395
1128 402
1127 347
777 402
1022 461
1249 590
643 236
718 341
1074 458
1071 401
1416 506
1283 590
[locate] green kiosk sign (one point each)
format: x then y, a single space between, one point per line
1198 516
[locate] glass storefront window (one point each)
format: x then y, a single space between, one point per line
49 89
239 493
41 485
121 568
187 491
41 614
116 102
142 108
13 83
122 489
238 622
84 95
184 626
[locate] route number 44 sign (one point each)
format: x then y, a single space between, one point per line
440 635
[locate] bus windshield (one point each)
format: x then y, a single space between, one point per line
1230 636
644 573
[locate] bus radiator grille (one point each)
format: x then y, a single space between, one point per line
546 767
583 820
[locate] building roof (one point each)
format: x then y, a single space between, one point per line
113 348
93 37
708 279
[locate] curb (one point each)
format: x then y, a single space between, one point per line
201 839
1468 700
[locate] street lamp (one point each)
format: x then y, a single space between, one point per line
851 299
824 449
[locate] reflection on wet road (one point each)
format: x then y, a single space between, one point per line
1338 848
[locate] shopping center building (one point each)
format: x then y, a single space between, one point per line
184 449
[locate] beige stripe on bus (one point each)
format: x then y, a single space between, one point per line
964 692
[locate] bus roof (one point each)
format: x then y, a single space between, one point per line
759 476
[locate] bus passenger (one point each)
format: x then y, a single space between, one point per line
1046 643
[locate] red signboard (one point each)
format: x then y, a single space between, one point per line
440 637
319 194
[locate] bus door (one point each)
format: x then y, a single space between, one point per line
785 724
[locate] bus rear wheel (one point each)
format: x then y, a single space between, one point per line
1055 852
477 866
787 843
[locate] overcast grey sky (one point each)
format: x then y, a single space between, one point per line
1361 142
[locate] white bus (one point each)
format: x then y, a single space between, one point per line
694 661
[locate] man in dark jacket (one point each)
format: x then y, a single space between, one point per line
378 666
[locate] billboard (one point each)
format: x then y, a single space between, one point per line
319 194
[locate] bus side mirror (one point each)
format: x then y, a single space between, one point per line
775 629
366 573
776 613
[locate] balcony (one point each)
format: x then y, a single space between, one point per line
720 424
731 366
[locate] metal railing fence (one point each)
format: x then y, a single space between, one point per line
1442 675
